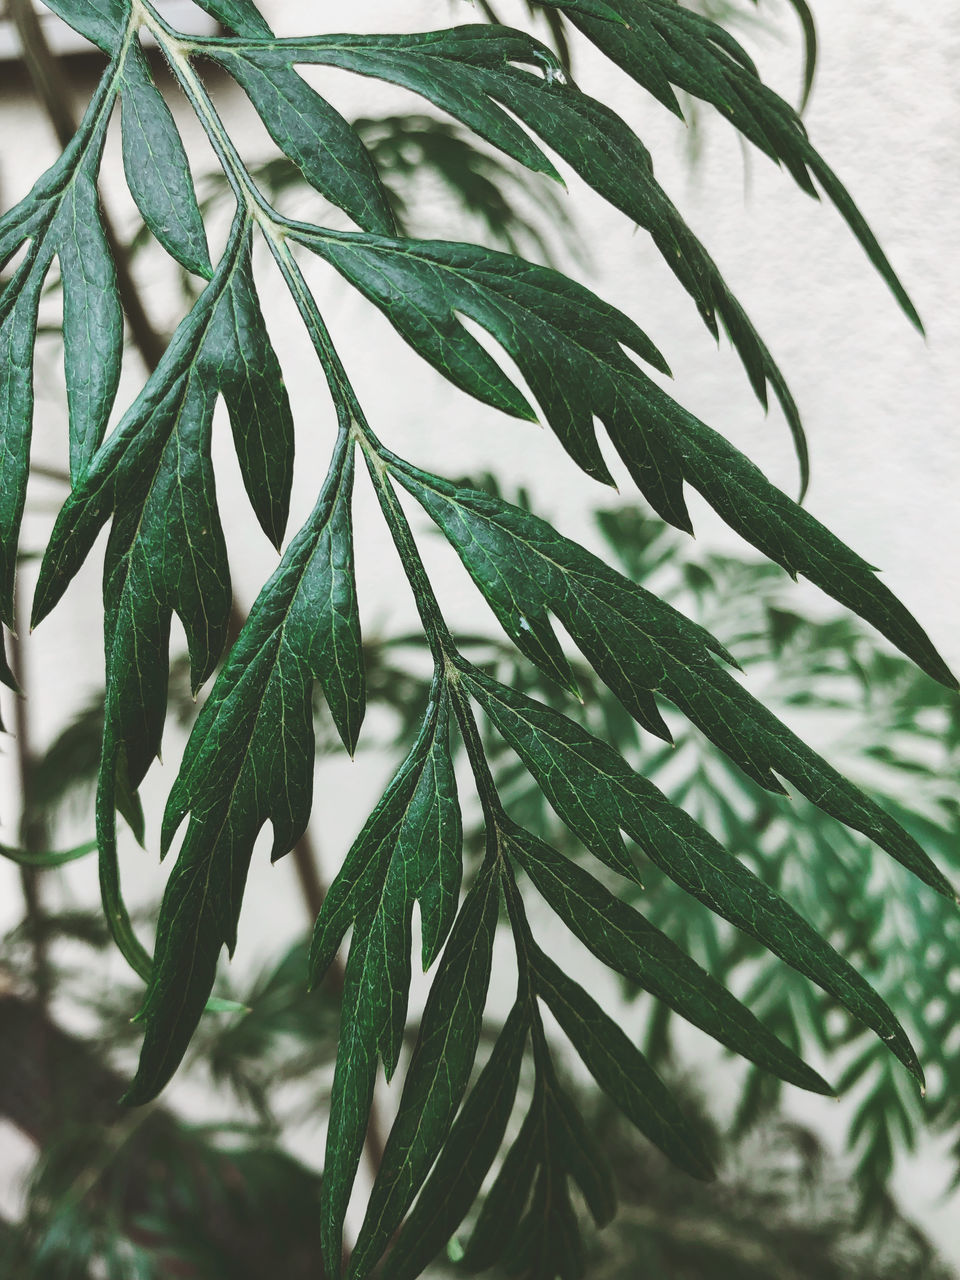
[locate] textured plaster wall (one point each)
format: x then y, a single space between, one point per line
880 404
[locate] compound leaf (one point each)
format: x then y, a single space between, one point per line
596 794
166 551
627 943
469 71
640 646
250 758
434 1086
569 346
466 1156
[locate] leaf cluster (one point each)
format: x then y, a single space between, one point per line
138 1194
250 755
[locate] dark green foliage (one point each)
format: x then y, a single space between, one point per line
628 944
466 1157
908 754
620 1069
157 170
251 752
408 850
439 1069
59 218
134 1192
467 72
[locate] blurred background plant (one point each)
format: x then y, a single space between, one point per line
150 1194
135 1192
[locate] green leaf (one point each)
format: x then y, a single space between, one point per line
313 134
640 646
155 476
528 1221
805 14
596 794
569 346
408 851
469 70
503 1207
583 1158
241 16
115 792
627 943
466 1156
621 1070
157 170
423 287
92 319
166 549
100 21
17 337
662 43
260 416
548 1241
446 67
57 858
249 758
436 1078
165 552
60 217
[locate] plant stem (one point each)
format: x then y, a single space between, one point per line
31 833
